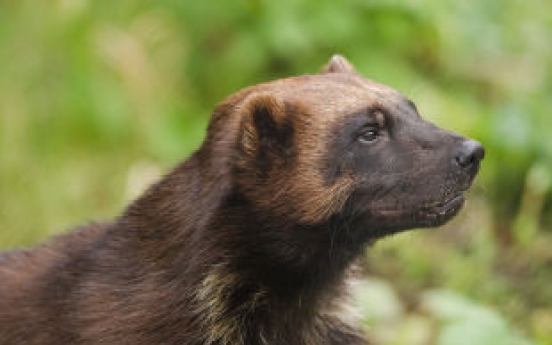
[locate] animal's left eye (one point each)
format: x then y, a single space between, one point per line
369 136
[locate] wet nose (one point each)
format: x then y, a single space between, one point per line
469 153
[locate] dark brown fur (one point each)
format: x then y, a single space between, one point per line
251 240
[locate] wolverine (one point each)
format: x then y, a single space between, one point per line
251 240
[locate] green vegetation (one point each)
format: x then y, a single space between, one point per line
97 98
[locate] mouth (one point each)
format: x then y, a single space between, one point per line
439 213
391 221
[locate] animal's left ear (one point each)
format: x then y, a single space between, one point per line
338 64
266 129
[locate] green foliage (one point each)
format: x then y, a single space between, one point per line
439 317
97 98
467 323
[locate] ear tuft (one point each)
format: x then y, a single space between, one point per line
338 64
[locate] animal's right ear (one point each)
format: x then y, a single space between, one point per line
338 64
265 128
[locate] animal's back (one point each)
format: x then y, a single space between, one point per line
29 284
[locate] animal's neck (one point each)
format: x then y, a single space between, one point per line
198 211
285 276
246 264
274 249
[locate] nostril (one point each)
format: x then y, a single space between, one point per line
469 153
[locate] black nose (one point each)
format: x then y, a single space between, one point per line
469 153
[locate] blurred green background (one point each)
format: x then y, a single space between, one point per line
99 98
